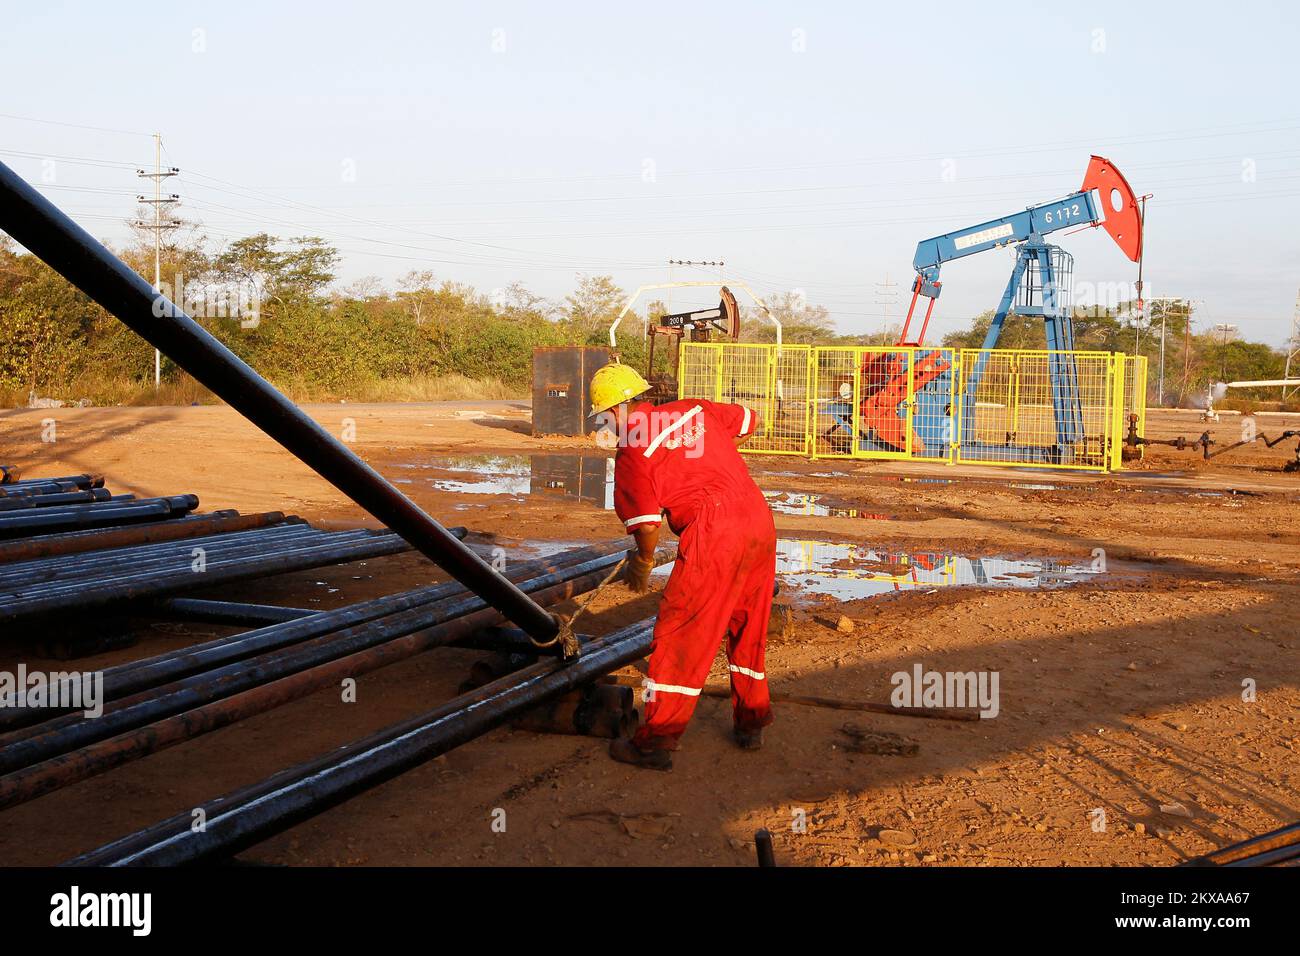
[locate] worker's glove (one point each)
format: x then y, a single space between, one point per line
637 573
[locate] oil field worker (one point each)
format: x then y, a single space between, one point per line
679 462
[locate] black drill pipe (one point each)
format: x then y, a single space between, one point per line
70 517
67 768
235 613
23 748
125 563
222 566
70 579
78 481
506 640
33 221
111 544
41 522
219 570
134 560
1283 855
55 488
250 815
124 558
55 499
153 672
61 544
94 500
1287 837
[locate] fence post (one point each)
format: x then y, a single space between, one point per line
810 400
1115 440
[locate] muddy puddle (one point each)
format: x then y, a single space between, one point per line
851 571
587 478
821 506
848 572
1034 485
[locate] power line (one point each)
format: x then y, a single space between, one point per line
47 122
987 152
370 222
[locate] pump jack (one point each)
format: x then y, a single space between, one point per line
1038 286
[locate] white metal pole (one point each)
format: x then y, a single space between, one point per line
1160 395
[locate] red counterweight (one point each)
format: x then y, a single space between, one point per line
1123 218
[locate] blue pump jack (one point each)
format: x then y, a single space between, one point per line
1040 274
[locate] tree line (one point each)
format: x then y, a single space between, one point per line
276 304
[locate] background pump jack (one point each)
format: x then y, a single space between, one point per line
697 326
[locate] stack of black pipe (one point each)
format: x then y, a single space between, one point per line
164 700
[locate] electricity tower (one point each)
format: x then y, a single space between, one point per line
159 225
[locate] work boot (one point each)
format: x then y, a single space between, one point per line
749 739
624 751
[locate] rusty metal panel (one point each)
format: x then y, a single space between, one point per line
561 383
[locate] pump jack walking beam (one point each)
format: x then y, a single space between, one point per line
43 229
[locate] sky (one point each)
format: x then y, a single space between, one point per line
809 146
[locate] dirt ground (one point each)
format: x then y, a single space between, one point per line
1121 693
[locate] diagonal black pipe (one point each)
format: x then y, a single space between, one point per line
42 228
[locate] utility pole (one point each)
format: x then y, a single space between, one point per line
887 296
158 226
1227 330
1168 303
1293 348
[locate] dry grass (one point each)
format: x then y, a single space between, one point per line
425 388
185 391
1232 403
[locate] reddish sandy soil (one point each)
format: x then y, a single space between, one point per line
1122 693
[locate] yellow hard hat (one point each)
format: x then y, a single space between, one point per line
614 384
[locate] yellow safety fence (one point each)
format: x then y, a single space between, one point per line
988 406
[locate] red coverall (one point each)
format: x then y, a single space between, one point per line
681 459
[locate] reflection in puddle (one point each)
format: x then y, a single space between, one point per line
1022 485
852 571
818 506
588 478
849 571
918 481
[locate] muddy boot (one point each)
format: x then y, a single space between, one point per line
749 739
624 751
